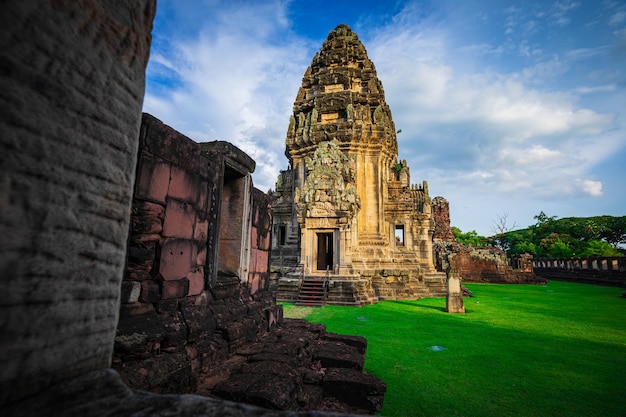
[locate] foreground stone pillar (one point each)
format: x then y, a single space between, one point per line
454 295
72 76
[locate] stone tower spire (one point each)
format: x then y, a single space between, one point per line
341 98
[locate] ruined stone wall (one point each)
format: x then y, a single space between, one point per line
481 264
441 216
72 82
475 264
176 319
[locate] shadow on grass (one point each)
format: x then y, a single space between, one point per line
414 303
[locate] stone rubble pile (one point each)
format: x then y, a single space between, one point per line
299 366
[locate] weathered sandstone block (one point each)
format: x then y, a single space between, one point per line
183 185
153 180
176 259
179 220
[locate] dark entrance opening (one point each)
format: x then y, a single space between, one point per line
324 251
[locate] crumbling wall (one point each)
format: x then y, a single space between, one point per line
481 264
185 307
72 83
441 216
475 264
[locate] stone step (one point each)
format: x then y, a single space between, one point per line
435 282
312 292
287 290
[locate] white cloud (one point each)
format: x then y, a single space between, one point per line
596 89
492 131
236 83
586 53
560 10
593 188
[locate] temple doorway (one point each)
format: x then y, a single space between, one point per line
324 251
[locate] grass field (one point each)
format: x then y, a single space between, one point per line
520 350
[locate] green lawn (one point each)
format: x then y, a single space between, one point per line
520 350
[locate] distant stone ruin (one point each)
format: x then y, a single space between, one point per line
345 211
477 264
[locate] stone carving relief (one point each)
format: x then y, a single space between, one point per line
378 115
329 189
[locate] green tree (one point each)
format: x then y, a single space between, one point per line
543 219
559 249
469 238
525 247
570 236
599 248
615 230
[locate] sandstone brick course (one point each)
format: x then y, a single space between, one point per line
180 218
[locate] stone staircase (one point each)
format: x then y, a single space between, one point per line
312 291
348 290
436 283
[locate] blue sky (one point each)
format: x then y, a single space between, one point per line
507 108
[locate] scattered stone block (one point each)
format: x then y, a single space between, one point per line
360 390
355 341
136 309
150 291
334 354
279 372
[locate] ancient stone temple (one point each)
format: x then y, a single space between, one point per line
346 212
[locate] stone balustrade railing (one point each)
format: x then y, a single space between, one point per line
604 270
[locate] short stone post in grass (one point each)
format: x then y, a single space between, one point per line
454 295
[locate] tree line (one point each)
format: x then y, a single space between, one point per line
551 237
